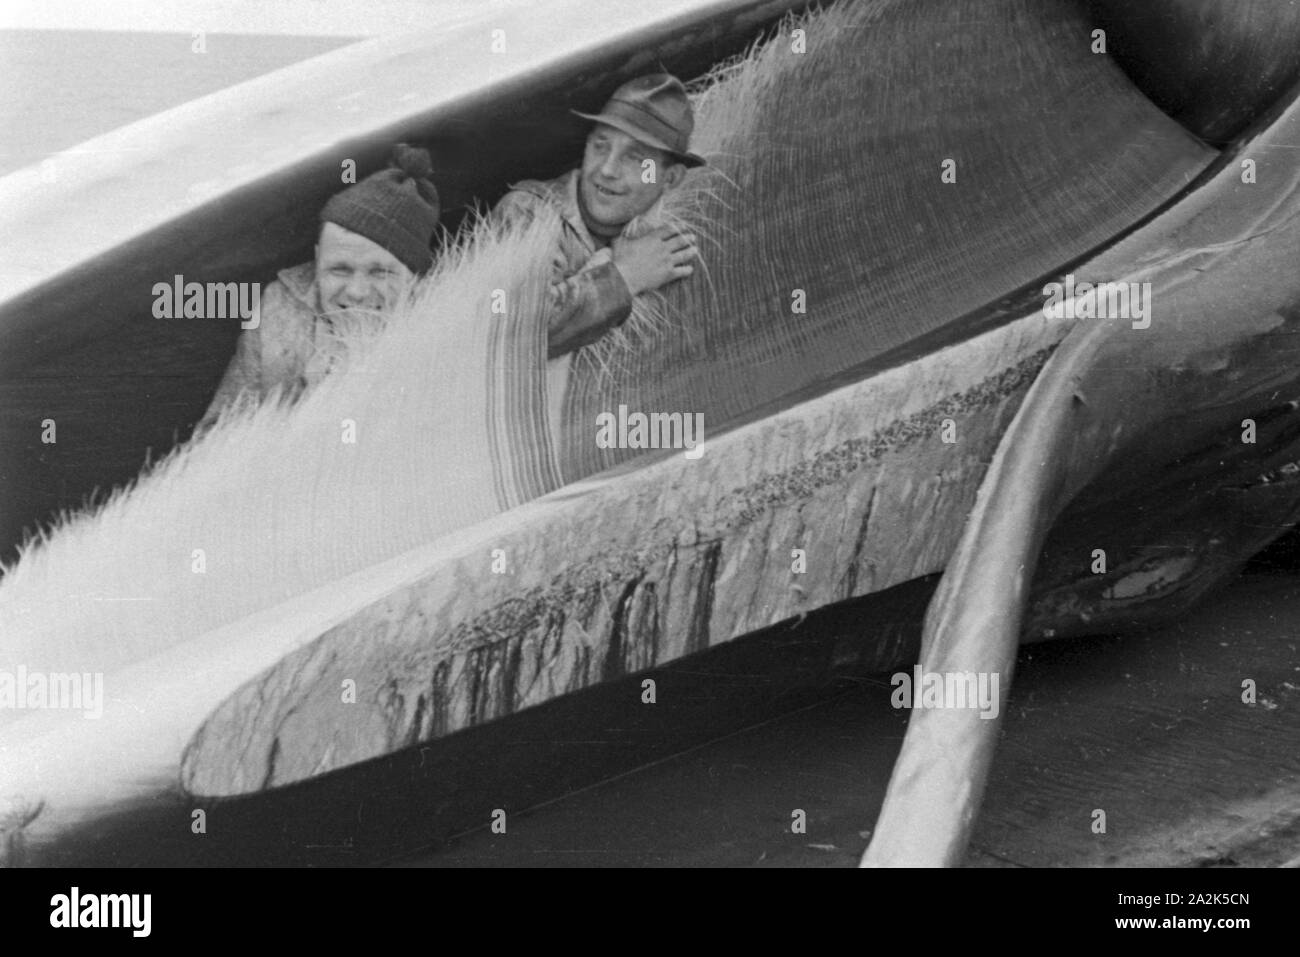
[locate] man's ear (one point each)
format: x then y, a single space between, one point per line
673 175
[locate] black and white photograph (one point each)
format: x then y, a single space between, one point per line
626 434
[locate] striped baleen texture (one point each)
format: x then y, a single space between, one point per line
825 177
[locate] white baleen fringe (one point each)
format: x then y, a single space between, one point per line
446 404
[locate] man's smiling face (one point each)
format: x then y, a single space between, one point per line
610 187
354 273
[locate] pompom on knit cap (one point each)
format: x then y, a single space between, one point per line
396 207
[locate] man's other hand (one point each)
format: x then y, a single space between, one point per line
655 259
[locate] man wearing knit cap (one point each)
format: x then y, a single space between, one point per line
374 240
637 150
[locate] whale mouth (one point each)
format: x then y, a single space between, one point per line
822 275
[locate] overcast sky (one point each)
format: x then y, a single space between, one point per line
302 17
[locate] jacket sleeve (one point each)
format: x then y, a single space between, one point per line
270 354
243 375
584 303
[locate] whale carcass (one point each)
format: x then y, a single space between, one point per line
884 397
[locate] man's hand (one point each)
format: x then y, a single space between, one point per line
655 259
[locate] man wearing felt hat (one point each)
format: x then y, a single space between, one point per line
374 240
637 150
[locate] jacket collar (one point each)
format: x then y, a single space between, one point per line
569 209
562 194
300 281
573 216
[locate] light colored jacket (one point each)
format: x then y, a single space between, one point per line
588 296
291 347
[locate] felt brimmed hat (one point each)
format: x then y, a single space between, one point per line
653 109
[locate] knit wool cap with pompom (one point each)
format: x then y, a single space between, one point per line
396 207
